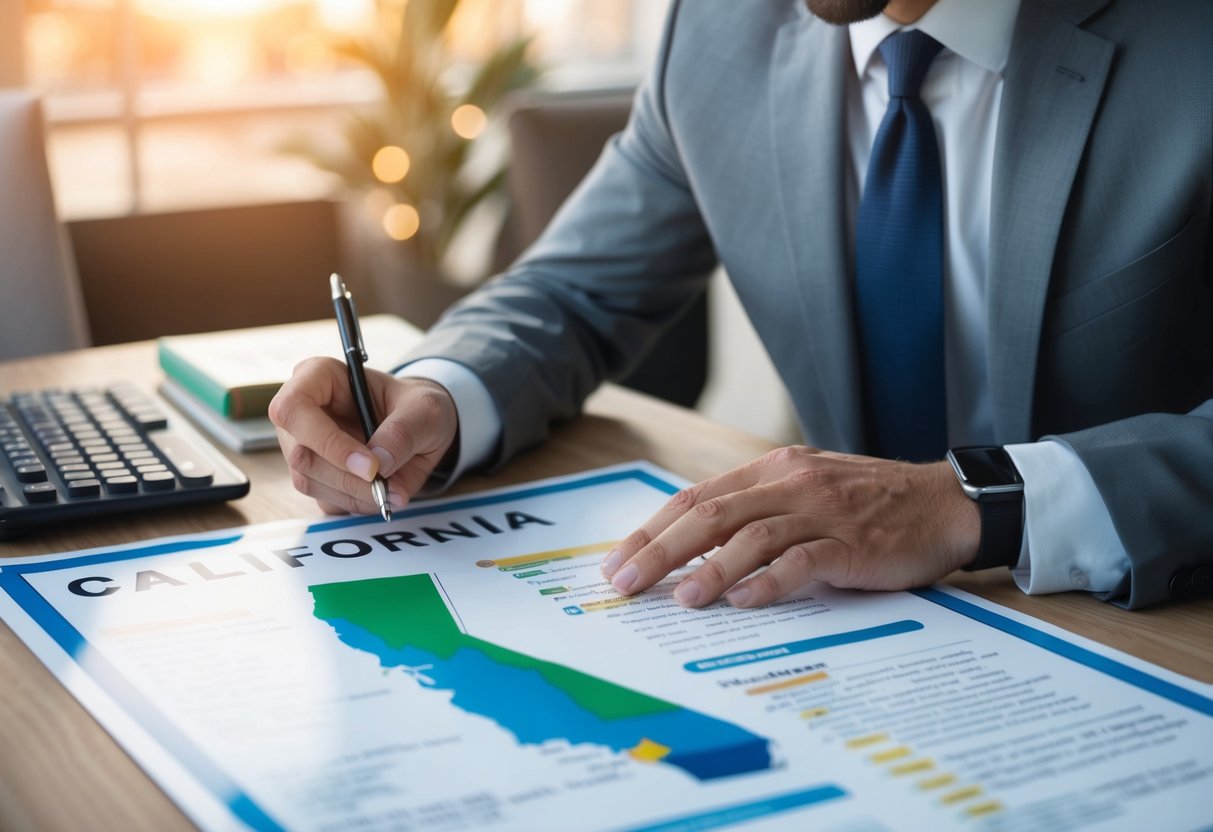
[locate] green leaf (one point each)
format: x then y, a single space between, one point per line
410 56
428 19
506 70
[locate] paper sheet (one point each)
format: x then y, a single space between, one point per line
466 667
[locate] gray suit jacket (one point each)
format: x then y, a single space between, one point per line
1100 295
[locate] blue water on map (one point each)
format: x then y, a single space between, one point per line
535 711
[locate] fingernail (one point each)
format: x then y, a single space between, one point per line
361 465
386 462
739 596
688 593
396 500
613 561
626 578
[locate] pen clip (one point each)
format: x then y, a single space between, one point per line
358 342
347 318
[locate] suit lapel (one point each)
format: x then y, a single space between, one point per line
1054 81
808 120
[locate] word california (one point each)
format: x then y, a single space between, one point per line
294 557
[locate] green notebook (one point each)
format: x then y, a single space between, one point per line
237 372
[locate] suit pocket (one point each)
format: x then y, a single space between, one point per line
1131 282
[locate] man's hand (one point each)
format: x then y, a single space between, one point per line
318 430
807 515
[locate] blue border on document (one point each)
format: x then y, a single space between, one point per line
742 812
1069 650
136 705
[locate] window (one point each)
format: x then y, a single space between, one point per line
167 104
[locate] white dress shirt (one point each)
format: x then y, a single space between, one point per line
1069 540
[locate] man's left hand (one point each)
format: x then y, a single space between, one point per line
806 515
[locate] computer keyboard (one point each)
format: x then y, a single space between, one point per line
66 454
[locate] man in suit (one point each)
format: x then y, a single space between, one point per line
952 224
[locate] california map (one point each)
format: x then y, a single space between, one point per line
404 622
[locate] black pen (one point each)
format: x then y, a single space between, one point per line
355 357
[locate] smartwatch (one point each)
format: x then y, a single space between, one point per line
989 477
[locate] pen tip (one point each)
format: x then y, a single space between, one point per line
336 286
380 494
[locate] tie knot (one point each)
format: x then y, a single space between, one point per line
908 55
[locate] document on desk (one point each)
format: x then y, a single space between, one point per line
465 666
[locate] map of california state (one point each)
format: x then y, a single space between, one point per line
404 622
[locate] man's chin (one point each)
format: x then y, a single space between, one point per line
844 12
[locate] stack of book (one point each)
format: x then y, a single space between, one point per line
224 381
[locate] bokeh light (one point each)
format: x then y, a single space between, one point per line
401 221
468 121
390 164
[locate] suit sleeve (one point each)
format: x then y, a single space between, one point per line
623 258
1155 475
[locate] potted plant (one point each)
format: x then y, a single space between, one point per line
410 163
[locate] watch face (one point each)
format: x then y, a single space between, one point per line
986 467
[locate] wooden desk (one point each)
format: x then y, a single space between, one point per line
60 770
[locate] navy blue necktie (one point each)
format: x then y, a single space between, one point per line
899 267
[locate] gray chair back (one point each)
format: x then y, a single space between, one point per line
554 141
41 307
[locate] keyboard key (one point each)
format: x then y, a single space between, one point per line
149 420
31 473
142 410
158 481
75 466
72 476
40 492
84 488
121 485
191 466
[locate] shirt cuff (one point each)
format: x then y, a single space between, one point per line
1069 541
479 424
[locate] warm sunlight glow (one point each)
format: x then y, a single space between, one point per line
345 15
308 53
401 221
391 164
219 59
468 121
206 8
52 43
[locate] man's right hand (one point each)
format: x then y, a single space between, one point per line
319 432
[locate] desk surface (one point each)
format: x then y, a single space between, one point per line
60 770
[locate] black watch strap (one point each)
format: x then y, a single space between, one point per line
1001 533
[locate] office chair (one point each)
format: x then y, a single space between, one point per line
206 269
554 141
41 307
